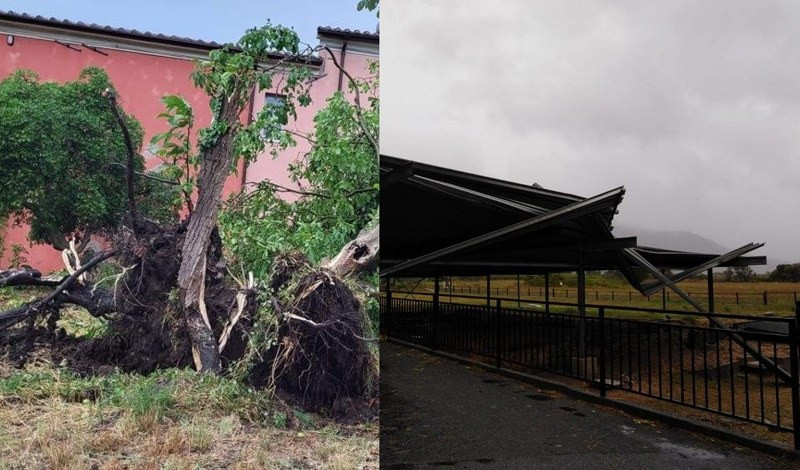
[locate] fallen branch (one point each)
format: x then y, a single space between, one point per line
35 306
25 277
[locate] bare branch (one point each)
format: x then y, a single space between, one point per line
359 114
112 98
284 189
21 312
146 175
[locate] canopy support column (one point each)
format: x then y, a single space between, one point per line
488 290
581 307
435 311
711 290
547 292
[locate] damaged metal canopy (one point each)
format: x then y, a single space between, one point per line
449 222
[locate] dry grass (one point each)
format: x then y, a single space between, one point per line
60 435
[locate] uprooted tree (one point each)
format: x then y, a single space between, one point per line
175 301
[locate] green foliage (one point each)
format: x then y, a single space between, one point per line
338 192
786 273
229 76
370 5
63 155
174 148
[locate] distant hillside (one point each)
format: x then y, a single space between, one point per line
671 239
686 241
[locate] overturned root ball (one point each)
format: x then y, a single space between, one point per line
321 357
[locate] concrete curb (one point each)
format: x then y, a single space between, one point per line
777 450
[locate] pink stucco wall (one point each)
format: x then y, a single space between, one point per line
274 169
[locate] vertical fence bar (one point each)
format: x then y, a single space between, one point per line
498 342
602 321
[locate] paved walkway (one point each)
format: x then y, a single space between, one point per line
437 413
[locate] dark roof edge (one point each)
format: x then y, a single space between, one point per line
350 34
487 179
132 34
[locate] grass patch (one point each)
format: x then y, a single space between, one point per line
164 394
168 419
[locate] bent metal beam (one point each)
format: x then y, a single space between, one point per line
641 261
568 212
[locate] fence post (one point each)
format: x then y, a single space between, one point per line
793 360
737 298
388 312
498 327
602 315
435 311
765 297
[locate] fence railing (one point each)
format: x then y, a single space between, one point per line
621 295
731 372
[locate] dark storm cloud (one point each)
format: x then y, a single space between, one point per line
693 106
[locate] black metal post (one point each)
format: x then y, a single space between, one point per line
663 296
499 327
519 303
602 315
435 311
547 292
711 291
488 290
581 308
793 351
388 312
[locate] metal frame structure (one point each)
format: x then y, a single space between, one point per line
449 223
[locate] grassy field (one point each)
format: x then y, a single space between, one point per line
604 291
171 419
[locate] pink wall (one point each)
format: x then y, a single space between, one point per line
274 169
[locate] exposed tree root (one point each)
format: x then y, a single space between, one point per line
319 355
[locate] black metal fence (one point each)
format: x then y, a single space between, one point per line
622 295
748 375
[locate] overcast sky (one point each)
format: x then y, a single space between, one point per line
214 20
693 106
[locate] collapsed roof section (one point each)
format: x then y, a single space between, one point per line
447 222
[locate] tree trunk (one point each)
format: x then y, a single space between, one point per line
358 256
210 180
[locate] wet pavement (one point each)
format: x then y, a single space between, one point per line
437 413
